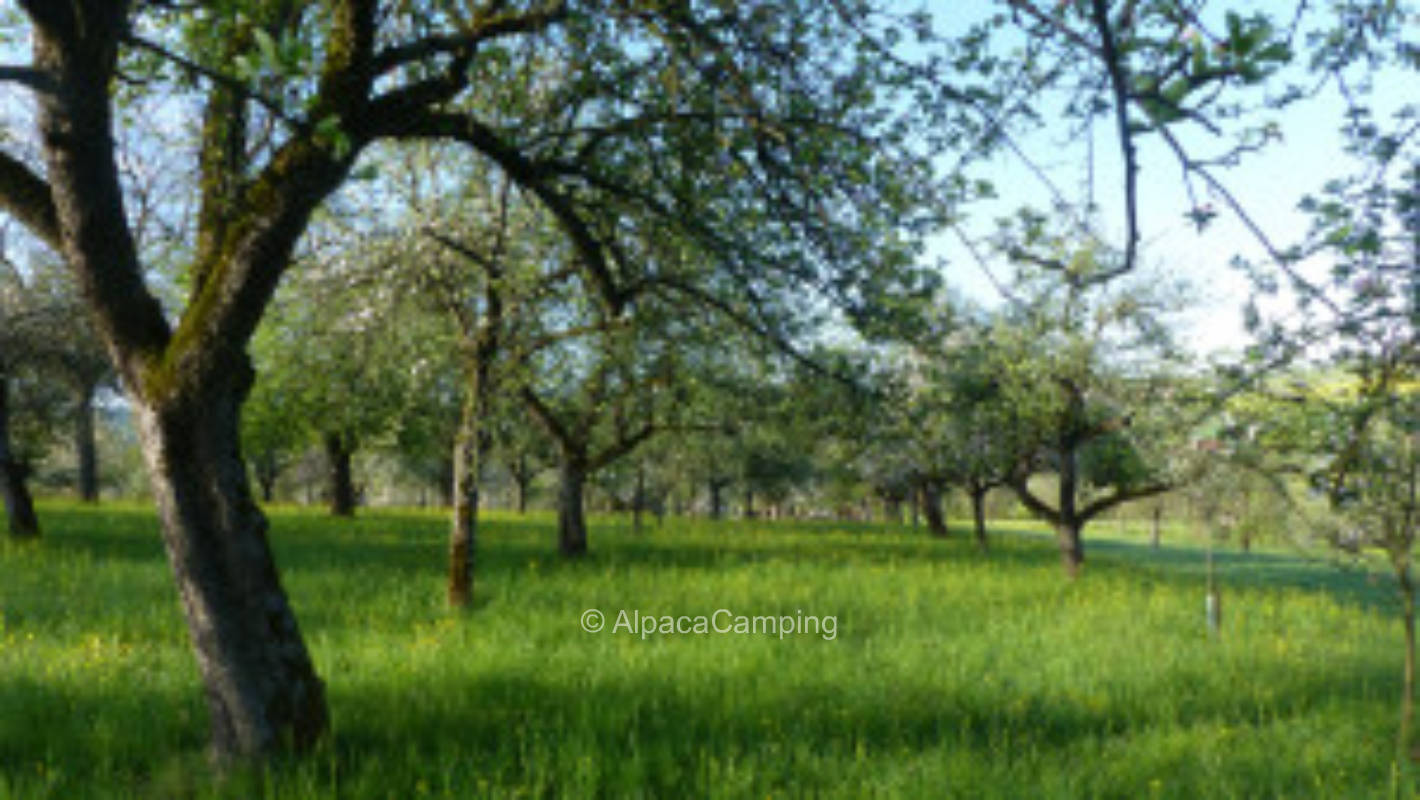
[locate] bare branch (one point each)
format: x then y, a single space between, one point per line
1119 85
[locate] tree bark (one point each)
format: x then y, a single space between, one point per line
932 508
462 538
571 521
638 500
261 688
1072 546
1068 522
342 487
522 479
85 447
978 517
14 474
1407 692
717 503
266 475
446 481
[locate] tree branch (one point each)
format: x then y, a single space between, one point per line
1091 510
26 196
1032 503
1119 86
490 27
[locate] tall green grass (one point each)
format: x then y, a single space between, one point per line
952 674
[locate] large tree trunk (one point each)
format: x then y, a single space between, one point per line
187 384
978 517
85 447
19 506
261 688
342 486
932 507
571 521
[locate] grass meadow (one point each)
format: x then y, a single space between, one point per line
951 674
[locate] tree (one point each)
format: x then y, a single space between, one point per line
335 356
741 127
483 256
1350 422
21 521
1087 370
62 343
966 431
14 471
598 398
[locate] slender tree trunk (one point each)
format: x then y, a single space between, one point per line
892 510
978 517
523 479
716 502
19 506
1156 530
85 447
1067 528
448 479
266 479
261 687
914 500
465 513
1407 692
571 521
1072 546
932 508
749 502
342 487
638 499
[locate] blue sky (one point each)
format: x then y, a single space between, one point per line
1268 184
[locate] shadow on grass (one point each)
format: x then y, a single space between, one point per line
647 735
1249 571
657 736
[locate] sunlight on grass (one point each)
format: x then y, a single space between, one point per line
951 673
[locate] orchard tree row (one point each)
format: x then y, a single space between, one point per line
590 235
